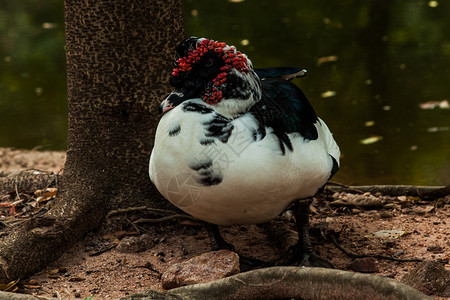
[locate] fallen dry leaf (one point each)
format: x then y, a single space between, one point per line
33 287
47 192
42 199
371 140
369 123
386 234
33 282
53 271
201 236
325 59
328 94
10 287
443 104
188 223
73 279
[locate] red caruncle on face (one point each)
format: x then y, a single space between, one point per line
229 55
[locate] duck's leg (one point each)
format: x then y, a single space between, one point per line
216 239
217 243
304 248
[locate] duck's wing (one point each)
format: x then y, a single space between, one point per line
286 109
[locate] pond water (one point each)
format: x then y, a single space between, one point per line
375 69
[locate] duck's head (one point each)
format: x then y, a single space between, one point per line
216 73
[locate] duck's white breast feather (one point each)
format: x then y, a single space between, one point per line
235 179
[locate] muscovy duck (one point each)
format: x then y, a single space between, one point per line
237 145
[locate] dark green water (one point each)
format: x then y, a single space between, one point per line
371 64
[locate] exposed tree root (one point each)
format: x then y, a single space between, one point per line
14 296
28 181
292 283
395 190
282 283
40 240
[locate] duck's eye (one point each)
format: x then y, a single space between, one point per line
209 62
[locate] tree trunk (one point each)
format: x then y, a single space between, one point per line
119 57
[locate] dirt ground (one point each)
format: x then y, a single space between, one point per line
95 266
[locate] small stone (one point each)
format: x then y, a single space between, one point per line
419 211
77 295
364 265
386 215
200 269
390 243
391 206
407 210
429 277
435 249
402 198
136 243
429 208
376 216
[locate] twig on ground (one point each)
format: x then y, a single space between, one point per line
343 186
104 249
168 218
150 267
55 178
385 257
138 208
137 228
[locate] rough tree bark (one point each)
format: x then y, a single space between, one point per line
118 61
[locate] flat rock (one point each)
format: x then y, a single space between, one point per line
133 244
200 269
364 265
429 277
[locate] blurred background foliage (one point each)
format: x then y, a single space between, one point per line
33 96
378 74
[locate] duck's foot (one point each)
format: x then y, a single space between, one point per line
218 243
298 257
314 260
249 263
302 254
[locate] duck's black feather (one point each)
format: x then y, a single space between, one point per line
286 109
335 167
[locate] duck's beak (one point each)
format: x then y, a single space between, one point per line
175 98
165 106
